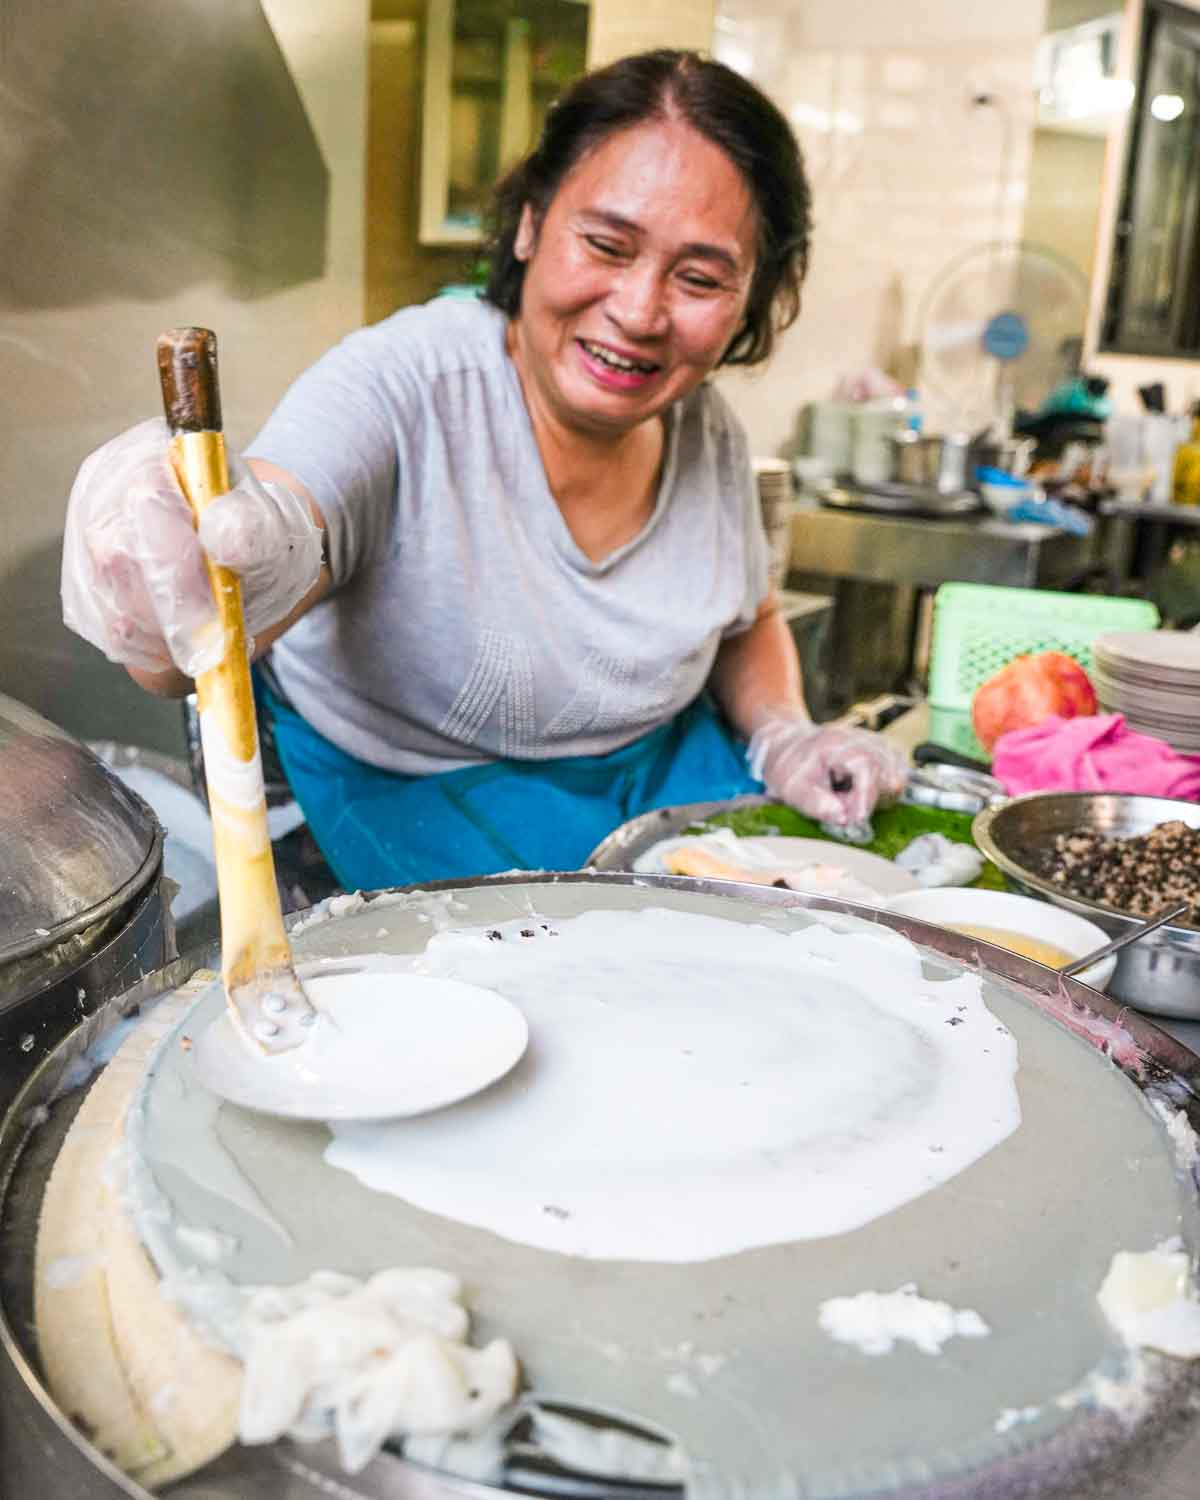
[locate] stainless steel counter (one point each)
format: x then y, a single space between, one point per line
923 553
1146 510
883 571
1149 528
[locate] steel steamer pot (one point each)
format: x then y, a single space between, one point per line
81 900
82 919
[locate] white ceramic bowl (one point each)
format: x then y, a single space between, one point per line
1001 498
946 905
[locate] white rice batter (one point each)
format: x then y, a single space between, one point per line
696 1087
1150 1299
876 1321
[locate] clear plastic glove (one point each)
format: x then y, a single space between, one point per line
833 774
134 581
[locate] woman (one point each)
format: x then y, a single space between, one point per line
508 551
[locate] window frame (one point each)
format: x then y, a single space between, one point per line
1113 339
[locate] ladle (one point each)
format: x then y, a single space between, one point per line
266 1000
1168 914
270 1049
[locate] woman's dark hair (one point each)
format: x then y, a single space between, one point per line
717 103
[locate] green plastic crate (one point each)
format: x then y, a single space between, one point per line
978 628
952 728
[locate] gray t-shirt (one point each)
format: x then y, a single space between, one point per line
465 623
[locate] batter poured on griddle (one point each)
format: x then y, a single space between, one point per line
696 1087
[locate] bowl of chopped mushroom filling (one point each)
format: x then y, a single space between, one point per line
1116 860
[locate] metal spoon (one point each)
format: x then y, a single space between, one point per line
1168 914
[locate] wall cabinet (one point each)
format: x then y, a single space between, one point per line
492 69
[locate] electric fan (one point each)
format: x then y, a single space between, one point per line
1000 327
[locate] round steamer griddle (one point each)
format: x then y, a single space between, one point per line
1024 1236
726 1356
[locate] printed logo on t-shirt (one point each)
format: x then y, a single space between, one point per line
496 703
600 701
499 689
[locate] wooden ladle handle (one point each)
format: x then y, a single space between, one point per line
191 389
266 999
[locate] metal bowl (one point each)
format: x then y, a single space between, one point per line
1160 974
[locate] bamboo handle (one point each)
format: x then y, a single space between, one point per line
265 997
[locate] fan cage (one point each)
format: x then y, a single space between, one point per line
960 377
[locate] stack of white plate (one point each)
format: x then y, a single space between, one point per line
774 479
1153 678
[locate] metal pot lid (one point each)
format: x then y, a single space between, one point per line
75 843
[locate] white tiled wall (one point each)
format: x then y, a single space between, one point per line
907 170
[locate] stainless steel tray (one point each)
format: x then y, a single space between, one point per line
624 844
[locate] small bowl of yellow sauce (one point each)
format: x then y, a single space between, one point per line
1034 929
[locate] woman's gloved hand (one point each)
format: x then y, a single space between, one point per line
134 581
833 774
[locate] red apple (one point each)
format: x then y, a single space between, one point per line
1028 690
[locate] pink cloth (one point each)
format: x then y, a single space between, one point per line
1096 753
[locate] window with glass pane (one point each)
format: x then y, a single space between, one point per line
493 67
1154 288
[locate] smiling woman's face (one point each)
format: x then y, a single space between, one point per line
637 279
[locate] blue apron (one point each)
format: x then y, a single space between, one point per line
378 828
